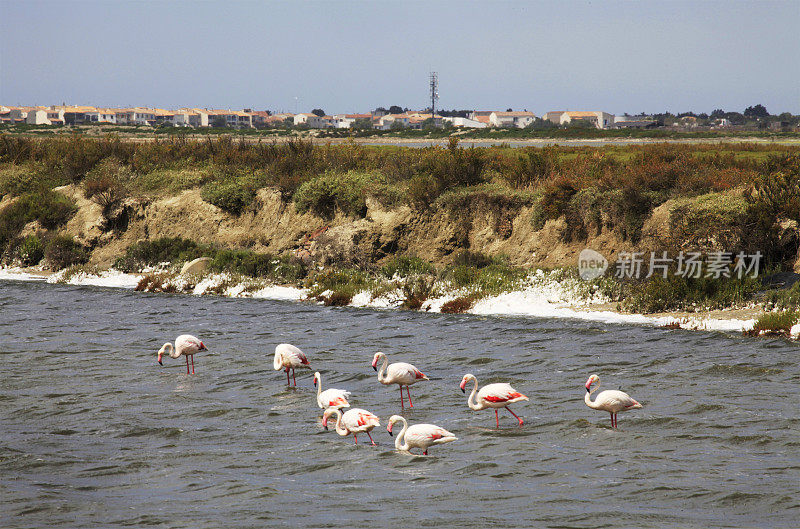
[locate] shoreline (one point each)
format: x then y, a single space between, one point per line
547 299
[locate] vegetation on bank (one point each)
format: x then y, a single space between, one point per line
744 192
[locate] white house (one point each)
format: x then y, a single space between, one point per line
598 118
100 115
135 116
465 123
345 121
313 121
511 119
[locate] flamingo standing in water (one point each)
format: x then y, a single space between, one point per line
186 345
353 421
331 397
399 373
492 396
287 357
611 400
419 435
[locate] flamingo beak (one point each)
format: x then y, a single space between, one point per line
160 363
374 367
325 423
389 429
315 382
463 383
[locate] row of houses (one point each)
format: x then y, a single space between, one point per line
247 118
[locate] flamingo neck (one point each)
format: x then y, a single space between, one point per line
472 396
172 352
277 362
382 370
400 441
340 429
319 384
587 398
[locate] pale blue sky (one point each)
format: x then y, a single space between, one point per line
353 56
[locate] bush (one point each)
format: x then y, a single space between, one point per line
687 293
459 305
332 192
473 259
167 249
62 251
108 183
416 290
232 196
404 266
30 250
51 209
774 323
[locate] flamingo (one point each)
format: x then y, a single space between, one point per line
419 435
287 357
330 398
492 396
399 373
354 420
611 400
186 345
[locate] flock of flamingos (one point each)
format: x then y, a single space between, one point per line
420 436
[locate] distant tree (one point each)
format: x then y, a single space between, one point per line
757 111
394 109
219 122
381 109
318 112
717 113
509 110
362 123
702 115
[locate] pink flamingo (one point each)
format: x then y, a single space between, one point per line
287 357
492 396
399 373
353 421
186 345
611 400
419 435
331 397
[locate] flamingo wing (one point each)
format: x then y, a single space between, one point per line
358 420
500 393
188 344
292 355
615 400
403 373
335 398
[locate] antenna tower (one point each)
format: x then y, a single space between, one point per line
434 92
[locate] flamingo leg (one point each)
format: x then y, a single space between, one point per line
612 419
370 438
496 418
187 364
615 420
410 404
193 364
355 438
402 406
425 453
293 378
515 415
287 376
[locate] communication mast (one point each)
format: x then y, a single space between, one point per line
434 92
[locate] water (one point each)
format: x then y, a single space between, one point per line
94 433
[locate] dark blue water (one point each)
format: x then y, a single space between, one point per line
94 433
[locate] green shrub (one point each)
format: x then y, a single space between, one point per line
332 192
108 183
62 251
404 266
232 196
774 323
167 249
474 259
30 250
51 209
658 294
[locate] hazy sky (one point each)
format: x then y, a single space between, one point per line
354 56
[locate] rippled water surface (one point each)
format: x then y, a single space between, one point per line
94 433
